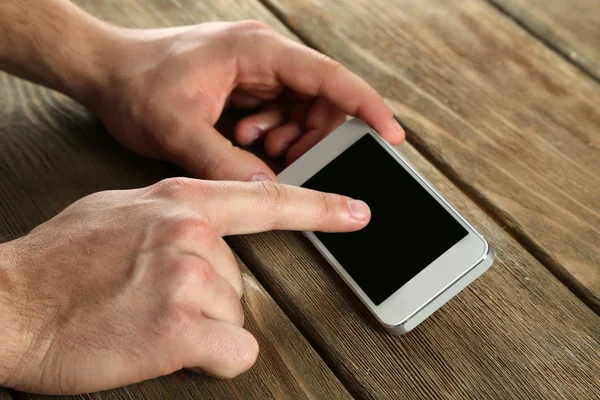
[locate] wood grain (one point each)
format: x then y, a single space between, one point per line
511 122
52 152
571 27
5 394
516 333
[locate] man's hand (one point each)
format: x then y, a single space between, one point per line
124 286
160 91
167 88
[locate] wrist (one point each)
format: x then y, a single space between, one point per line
56 44
89 60
108 60
11 342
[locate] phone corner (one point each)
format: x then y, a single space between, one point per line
488 257
397 330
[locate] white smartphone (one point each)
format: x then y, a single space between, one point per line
417 251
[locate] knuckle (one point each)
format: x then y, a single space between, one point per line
328 206
179 269
172 188
251 25
275 196
189 271
201 276
274 192
190 228
330 65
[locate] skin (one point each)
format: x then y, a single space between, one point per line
124 286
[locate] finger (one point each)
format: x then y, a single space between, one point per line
193 235
263 91
208 154
242 208
324 115
219 349
223 261
307 71
251 128
322 119
218 300
243 100
192 281
307 141
279 139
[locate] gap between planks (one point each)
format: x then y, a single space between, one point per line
546 42
498 215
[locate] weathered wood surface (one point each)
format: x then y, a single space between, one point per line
52 152
5 394
511 122
516 333
571 27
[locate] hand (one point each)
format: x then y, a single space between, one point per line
166 88
124 286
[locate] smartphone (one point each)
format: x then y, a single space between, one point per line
417 251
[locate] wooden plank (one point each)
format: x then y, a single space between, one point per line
511 122
571 27
516 333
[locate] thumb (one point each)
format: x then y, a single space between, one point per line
209 155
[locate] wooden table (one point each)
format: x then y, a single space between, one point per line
501 100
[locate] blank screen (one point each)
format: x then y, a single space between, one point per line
408 230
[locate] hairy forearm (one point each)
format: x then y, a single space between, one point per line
54 43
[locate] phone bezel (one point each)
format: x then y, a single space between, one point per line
434 279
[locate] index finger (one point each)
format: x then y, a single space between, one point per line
312 73
236 208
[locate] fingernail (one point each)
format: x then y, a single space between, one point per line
359 209
397 125
260 177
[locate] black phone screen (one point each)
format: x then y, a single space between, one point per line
408 230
